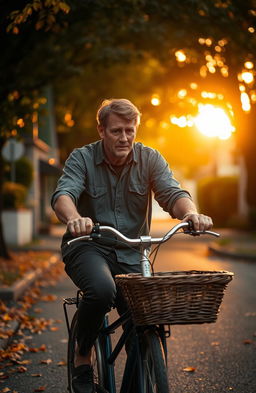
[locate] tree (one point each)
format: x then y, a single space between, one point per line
50 41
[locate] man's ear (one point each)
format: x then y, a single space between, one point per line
100 131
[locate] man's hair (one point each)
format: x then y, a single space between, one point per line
120 107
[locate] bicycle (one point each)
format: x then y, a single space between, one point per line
156 301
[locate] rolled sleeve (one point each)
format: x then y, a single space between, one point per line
72 181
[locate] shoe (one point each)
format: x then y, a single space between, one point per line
82 380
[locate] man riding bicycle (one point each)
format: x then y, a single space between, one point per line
111 181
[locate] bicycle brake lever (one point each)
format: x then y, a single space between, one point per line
95 234
190 230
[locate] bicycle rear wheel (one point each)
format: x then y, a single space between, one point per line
153 363
97 360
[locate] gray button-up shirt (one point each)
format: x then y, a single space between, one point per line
123 201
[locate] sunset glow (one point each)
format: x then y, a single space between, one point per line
213 122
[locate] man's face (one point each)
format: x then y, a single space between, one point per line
118 138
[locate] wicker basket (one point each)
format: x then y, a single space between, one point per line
184 297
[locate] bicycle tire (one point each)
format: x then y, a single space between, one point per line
153 363
97 360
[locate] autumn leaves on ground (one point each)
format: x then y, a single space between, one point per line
13 358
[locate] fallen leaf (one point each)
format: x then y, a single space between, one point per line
215 343
38 310
22 369
49 298
40 389
36 375
47 361
189 369
62 363
65 340
6 317
42 348
54 328
24 361
5 390
4 376
248 341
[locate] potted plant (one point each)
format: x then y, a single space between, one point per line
16 216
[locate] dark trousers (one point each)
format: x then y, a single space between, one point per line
93 272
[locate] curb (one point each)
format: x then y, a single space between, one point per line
14 292
231 254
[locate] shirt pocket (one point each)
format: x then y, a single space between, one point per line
93 201
138 197
95 192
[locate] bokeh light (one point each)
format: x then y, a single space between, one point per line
180 56
247 77
155 100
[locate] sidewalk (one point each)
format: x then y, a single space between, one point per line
235 244
10 295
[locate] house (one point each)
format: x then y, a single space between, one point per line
41 148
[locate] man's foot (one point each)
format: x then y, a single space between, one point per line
82 380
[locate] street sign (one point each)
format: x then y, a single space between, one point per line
13 150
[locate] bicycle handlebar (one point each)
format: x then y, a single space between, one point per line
148 240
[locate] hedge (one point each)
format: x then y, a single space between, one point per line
218 198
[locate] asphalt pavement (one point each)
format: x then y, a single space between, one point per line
221 354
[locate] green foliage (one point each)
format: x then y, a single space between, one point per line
23 172
218 198
14 195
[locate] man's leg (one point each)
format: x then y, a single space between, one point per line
89 270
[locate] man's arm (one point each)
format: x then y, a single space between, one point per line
67 213
184 209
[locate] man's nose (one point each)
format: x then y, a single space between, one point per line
123 136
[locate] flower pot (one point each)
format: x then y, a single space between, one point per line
17 226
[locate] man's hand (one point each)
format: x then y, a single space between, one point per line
80 226
200 221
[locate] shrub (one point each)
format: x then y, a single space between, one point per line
23 171
218 198
14 195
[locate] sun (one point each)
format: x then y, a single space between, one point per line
213 121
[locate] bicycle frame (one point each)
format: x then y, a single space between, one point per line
111 355
134 362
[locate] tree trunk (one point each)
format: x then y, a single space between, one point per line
4 253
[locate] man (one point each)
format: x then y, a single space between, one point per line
111 182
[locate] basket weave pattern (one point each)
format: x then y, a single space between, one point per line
177 298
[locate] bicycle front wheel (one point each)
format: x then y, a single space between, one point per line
153 364
97 359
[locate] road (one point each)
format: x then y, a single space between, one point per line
223 354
